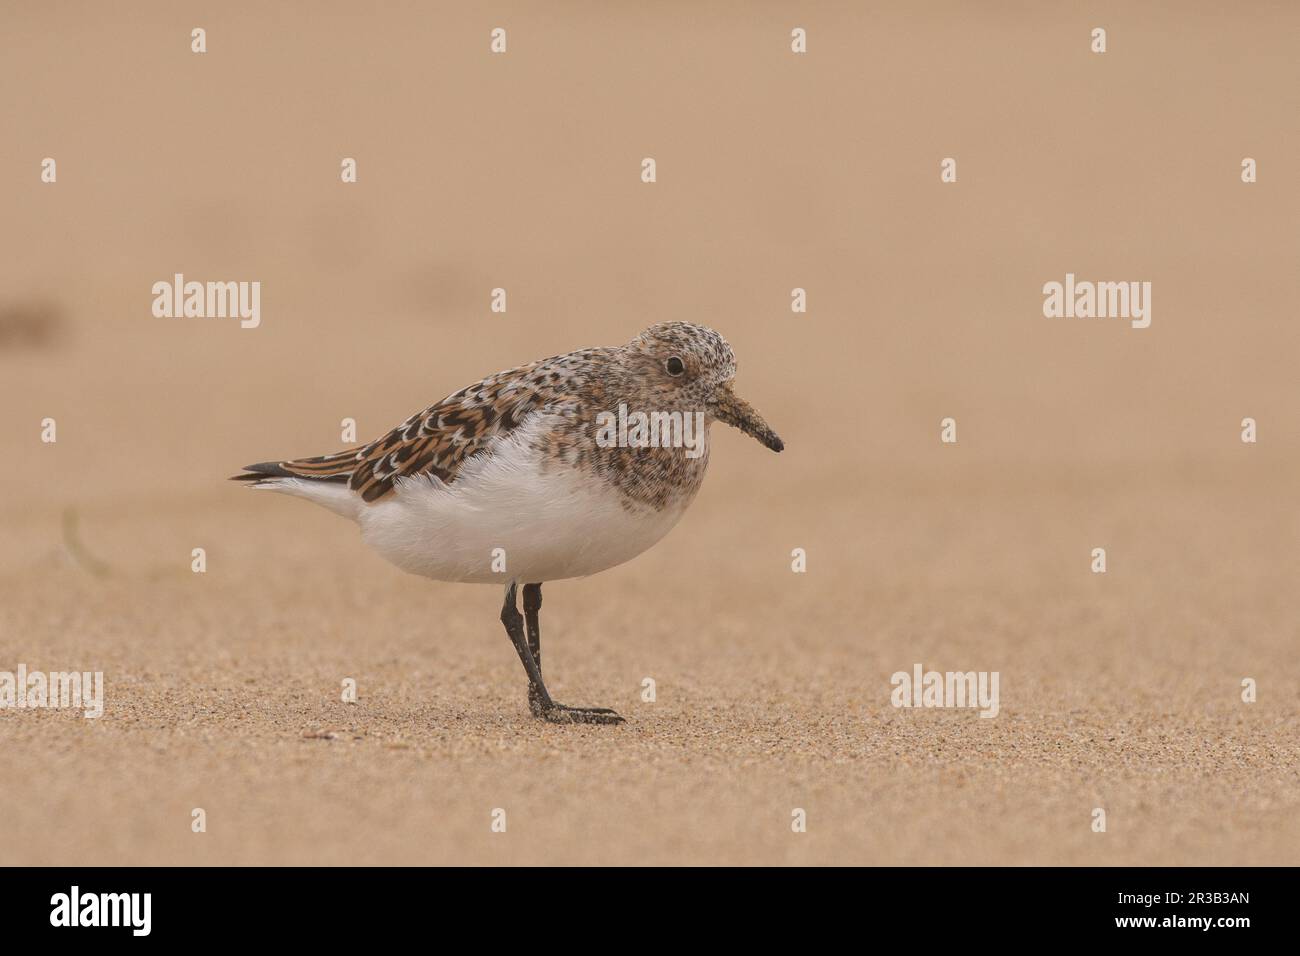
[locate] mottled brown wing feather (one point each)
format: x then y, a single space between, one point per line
436 441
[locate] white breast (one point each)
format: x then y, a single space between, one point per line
549 525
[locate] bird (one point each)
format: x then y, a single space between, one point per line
560 468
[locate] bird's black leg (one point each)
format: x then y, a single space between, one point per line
533 604
514 627
528 647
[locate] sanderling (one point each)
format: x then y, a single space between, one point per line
524 476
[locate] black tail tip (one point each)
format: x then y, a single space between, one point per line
263 469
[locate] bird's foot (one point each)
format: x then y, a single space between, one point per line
560 714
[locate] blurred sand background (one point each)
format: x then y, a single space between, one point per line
775 171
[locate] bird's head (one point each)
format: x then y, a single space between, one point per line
691 367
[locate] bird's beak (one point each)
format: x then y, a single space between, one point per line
727 406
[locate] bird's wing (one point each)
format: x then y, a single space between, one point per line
437 441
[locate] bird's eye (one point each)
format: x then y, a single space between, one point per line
675 366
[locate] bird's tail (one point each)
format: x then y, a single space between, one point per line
336 467
323 479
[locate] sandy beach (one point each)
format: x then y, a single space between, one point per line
775 171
